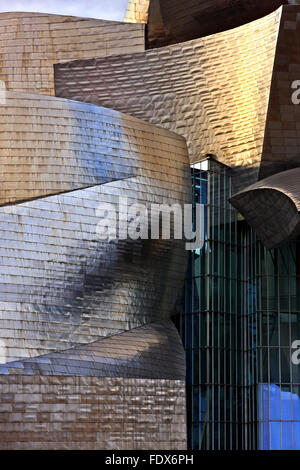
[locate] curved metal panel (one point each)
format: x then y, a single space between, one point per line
67 297
152 351
32 42
60 284
49 146
122 392
214 91
282 140
174 21
272 206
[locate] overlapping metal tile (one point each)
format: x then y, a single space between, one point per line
60 284
173 21
49 146
271 206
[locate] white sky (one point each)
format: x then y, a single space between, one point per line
103 9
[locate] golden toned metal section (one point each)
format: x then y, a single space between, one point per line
32 42
137 11
214 91
173 21
98 363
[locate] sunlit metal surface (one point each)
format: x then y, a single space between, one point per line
271 206
91 413
174 21
137 11
89 356
49 145
214 91
32 42
152 351
282 139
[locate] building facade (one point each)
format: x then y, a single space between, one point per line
239 326
174 106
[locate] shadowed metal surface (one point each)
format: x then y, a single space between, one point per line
271 206
152 351
214 91
61 285
113 413
32 42
174 21
282 138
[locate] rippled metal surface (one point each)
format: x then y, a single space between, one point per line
49 145
282 139
79 413
214 90
32 42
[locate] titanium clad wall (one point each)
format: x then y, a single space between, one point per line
32 42
49 146
123 392
152 351
271 206
90 413
60 284
137 11
282 139
214 91
191 19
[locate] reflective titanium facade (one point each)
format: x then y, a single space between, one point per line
32 42
216 324
126 392
174 21
278 326
89 356
191 89
55 270
239 324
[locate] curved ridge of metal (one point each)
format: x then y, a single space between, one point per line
271 206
